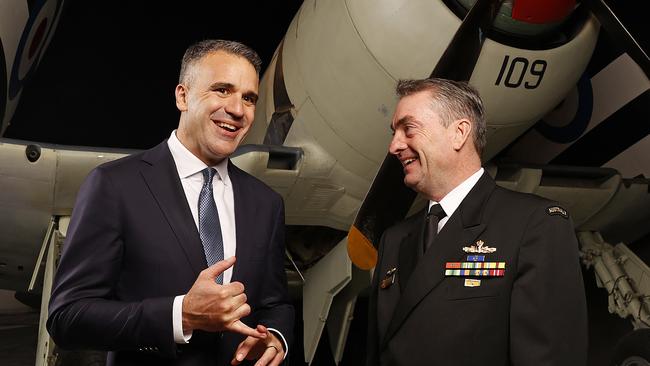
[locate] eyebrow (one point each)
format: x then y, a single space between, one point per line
401 121
220 84
229 86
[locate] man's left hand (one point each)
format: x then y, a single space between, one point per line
267 350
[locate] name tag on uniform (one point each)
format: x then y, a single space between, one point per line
389 280
471 282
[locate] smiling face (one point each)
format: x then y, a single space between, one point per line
424 146
217 103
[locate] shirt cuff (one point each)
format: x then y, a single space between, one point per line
284 341
180 336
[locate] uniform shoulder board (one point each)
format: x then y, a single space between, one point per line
557 211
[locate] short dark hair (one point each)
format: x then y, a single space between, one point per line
200 49
452 100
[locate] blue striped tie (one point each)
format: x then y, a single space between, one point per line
209 225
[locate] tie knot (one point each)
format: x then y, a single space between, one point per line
437 211
208 174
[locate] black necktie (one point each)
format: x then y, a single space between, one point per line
436 213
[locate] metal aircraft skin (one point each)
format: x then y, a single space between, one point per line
560 124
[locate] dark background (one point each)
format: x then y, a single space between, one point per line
108 76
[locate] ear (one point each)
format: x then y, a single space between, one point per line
462 129
181 97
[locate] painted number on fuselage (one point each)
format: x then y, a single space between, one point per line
518 72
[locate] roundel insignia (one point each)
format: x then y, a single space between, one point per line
576 109
43 16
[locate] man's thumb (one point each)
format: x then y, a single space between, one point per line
218 268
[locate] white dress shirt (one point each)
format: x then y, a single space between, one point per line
189 169
453 199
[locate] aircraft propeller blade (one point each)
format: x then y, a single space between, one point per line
613 26
388 200
467 42
282 119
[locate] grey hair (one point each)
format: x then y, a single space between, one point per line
452 100
200 49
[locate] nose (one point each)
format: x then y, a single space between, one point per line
396 144
234 106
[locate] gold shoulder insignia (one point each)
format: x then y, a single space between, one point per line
557 211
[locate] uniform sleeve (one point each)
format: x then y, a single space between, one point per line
83 311
548 316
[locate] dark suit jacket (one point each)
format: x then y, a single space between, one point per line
132 246
534 315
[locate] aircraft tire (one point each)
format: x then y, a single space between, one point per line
633 349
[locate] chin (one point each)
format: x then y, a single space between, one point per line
410 183
223 148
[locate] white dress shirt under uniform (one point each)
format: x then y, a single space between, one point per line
190 169
453 199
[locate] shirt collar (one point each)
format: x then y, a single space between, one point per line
453 199
187 164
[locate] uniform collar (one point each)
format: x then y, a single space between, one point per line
454 198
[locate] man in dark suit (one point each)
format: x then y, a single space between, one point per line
485 276
143 273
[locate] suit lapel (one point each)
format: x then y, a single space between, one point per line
244 205
399 254
161 176
462 228
410 250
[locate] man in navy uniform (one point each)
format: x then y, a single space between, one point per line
484 275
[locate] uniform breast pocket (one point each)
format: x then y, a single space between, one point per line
458 289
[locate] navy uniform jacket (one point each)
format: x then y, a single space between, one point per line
533 315
132 246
